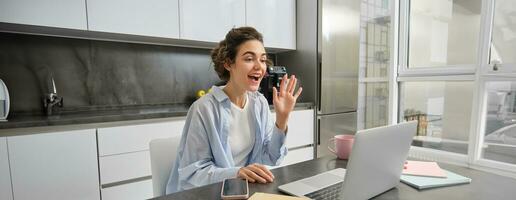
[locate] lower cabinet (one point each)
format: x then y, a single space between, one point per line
298 155
124 158
134 190
60 165
5 175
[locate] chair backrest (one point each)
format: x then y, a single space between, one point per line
163 154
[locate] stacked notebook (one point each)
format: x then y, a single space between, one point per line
422 175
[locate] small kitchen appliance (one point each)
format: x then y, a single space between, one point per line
4 101
272 79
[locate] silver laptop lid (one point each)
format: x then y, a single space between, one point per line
376 160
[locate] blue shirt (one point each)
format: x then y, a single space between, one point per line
204 154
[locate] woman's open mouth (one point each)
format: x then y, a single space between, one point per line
254 78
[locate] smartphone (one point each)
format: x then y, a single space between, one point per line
235 188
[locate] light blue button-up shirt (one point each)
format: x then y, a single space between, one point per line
204 154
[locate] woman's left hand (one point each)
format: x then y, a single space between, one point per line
285 100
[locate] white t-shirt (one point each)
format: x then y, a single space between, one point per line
241 133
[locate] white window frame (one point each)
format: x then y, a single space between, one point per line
479 73
403 68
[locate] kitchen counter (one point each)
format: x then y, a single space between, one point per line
102 114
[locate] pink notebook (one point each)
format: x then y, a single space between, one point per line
422 168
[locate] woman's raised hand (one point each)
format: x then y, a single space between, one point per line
285 100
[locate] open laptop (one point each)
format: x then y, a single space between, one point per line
374 166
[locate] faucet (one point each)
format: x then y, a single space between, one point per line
50 100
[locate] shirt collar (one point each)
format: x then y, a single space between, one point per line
221 96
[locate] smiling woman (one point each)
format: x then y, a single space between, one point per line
229 132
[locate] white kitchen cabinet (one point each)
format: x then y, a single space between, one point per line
112 167
136 190
276 20
300 128
5 180
159 18
60 165
54 13
298 155
123 146
210 20
133 138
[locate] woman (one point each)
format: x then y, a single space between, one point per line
229 132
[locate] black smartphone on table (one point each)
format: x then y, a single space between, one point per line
234 188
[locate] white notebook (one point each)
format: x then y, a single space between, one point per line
422 182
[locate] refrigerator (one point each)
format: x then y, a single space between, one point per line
338 42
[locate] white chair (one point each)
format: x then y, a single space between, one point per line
163 154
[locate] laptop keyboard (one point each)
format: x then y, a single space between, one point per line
330 192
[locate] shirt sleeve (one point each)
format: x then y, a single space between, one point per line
274 141
196 166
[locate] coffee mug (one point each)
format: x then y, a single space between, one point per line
343 145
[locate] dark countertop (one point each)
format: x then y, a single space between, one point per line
484 185
101 114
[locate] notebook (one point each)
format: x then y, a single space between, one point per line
422 168
422 182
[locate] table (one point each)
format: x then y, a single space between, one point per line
484 185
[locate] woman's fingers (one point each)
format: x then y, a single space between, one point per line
283 85
244 176
261 172
274 93
291 84
264 168
298 92
253 175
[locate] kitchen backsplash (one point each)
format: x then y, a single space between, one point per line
98 73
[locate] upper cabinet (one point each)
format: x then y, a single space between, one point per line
210 20
54 13
159 18
195 23
276 20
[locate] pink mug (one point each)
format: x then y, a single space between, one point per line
343 145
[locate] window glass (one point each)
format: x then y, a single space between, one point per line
503 46
375 39
500 127
443 112
376 104
443 32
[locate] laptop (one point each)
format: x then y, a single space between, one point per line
374 166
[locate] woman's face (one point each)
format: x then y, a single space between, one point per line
249 67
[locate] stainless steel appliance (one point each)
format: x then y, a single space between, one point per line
338 59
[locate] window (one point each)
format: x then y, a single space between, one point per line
464 114
375 62
503 42
443 33
500 122
443 112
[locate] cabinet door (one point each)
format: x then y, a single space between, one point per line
300 128
60 165
159 18
5 180
56 13
298 155
276 20
301 125
125 139
210 20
